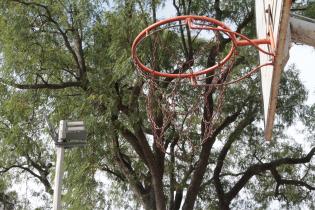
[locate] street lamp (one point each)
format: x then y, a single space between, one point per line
71 134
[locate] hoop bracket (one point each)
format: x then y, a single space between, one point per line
255 41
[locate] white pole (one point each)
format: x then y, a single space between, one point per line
60 150
58 177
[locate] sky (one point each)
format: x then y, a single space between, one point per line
304 58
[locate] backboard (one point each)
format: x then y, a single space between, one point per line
272 21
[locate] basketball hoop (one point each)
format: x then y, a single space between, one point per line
173 105
199 23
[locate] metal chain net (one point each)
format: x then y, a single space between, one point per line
175 106
178 106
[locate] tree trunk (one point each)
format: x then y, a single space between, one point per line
158 192
223 205
149 200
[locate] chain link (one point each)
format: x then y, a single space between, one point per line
169 103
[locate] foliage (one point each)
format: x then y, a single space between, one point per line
71 60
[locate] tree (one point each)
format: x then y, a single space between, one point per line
7 199
71 60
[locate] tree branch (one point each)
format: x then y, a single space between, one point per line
76 52
202 164
249 17
178 199
43 171
42 86
6 169
172 172
128 171
112 172
232 137
259 168
50 18
218 11
281 181
223 153
131 139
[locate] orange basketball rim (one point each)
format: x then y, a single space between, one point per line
238 40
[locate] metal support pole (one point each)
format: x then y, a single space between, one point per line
60 150
302 30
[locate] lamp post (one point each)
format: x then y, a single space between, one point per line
71 134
